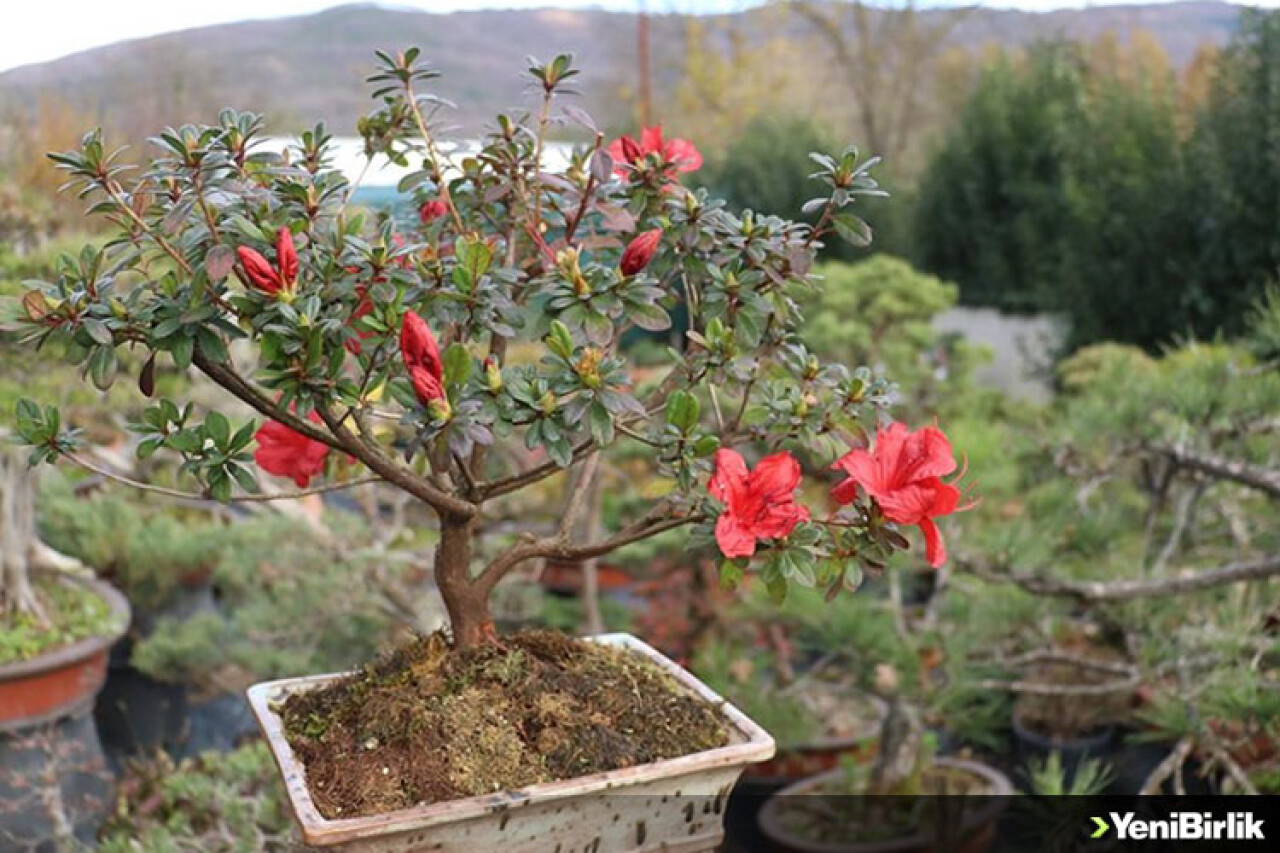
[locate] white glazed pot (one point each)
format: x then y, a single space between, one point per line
674 805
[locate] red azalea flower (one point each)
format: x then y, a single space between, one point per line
677 154
759 504
422 358
640 251
286 453
903 474
272 280
432 210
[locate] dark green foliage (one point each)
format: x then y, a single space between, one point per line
993 210
1070 190
767 167
1236 192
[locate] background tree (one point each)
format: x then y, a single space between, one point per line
1236 185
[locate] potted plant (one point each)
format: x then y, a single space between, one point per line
55 633
862 807
415 354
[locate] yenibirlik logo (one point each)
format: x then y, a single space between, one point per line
1181 826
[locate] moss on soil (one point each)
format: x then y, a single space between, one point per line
426 724
74 612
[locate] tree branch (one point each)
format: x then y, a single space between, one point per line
1265 480
371 454
657 521
1100 591
196 496
233 382
507 485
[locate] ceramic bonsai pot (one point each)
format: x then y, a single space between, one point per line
673 805
54 781
976 832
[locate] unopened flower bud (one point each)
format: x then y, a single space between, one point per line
588 367
548 403
492 375
440 410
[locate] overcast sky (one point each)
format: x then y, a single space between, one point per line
38 31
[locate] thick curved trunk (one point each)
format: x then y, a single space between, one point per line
467 605
17 534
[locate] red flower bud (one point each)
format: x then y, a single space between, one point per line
286 258
640 251
432 210
425 386
258 271
421 358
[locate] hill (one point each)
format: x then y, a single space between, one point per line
300 68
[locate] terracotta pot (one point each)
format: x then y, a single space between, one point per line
61 682
54 780
977 830
565 576
672 805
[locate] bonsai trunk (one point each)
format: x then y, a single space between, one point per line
467 605
17 535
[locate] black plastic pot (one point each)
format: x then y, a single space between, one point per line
1031 746
1135 760
137 714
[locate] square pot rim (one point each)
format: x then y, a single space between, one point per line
752 744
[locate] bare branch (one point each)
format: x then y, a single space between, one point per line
1266 480
656 521
1103 591
1171 765
506 486
196 496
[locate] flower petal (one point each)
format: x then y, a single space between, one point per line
683 153
734 539
778 520
776 477
935 550
286 256
651 140
729 482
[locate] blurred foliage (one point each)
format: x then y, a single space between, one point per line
279 610
217 803
1071 184
1236 177
879 313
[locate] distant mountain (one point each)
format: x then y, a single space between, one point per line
301 68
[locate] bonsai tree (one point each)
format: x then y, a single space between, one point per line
495 321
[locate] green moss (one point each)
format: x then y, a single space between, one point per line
74 613
218 803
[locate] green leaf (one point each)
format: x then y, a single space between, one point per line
853 230
705 446
731 574
601 424
102 367
457 364
99 332
559 340
218 428
683 410
474 255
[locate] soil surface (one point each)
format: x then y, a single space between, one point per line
427 724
